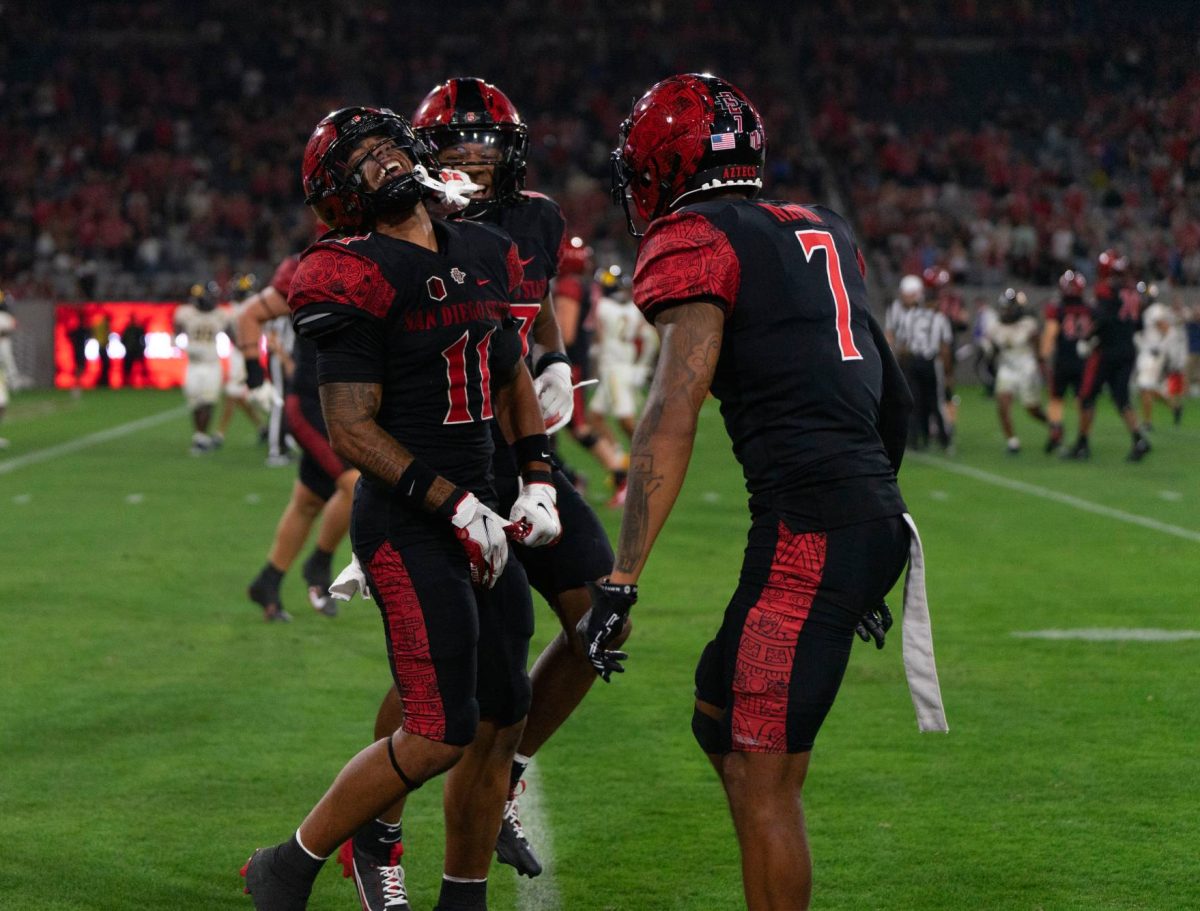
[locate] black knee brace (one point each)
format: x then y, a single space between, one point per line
710 733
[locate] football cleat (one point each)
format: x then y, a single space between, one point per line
271 891
266 596
1013 446
1139 450
617 500
512 847
1080 452
319 580
380 885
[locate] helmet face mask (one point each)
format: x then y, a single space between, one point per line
689 134
333 172
468 112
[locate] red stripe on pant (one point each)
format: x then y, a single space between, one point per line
408 645
767 649
311 439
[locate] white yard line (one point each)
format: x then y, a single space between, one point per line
1058 497
92 439
541 892
1115 634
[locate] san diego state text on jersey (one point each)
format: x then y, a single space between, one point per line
799 377
441 331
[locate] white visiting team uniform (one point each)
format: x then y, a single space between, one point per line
7 365
1016 361
202 384
1159 352
624 339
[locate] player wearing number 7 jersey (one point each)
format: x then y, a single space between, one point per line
763 304
417 354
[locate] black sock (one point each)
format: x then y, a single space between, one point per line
270 575
456 896
1137 437
517 773
319 561
619 477
293 862
1083 439
378 838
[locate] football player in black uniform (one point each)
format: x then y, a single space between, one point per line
1068 325
472 126
1118 318
417 354
324 483
765 304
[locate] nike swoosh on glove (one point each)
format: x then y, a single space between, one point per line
537 506
600 625
555 395
350 580
481 534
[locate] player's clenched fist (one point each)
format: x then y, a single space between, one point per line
537 507
481 533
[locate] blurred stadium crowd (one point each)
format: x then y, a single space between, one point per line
148 144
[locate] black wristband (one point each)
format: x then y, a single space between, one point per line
254 371
414 483
537 477
626 590
550 357
533 448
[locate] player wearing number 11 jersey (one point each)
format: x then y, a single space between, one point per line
417 354
763 304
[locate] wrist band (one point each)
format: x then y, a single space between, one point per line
254 371
533 448
414 483
550 357
537 477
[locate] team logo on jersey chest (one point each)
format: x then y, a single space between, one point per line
458 275
436 287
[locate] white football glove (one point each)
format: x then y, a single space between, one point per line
536 511
264 397
555 395
350 580
481 532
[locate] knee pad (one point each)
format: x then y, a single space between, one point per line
710 733
506 708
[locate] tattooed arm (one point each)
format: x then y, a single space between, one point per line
662 445
350 410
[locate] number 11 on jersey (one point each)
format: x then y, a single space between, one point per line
812 241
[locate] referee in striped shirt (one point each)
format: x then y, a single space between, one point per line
923 340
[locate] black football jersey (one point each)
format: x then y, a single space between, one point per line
440 331
536 225
799 378
1118 319
1075 324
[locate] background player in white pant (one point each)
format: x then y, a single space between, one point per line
625 346
8 370
1161 359
1013 337
200 322
237 393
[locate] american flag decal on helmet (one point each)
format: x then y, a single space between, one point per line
723 142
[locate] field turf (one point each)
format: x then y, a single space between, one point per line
153 730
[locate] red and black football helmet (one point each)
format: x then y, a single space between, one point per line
689 134
1071 284
1110 263
333 183
469 110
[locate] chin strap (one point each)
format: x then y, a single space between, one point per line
453 188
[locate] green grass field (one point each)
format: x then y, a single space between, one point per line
153 730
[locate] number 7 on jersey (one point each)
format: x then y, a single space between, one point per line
812 241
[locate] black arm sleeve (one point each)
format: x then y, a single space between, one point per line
355 353
895 401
